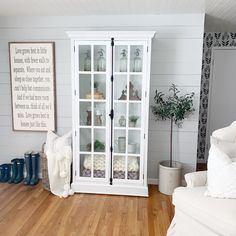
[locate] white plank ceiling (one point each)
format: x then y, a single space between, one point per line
98 7
220 14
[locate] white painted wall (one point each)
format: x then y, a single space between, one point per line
176 58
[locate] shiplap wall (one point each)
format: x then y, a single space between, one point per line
176 58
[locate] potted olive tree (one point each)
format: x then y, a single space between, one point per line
175 108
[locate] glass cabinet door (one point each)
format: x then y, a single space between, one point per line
128 109
93 108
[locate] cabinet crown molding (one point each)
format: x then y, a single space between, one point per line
129 35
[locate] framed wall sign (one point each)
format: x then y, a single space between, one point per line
32 72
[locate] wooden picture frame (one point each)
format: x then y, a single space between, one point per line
33 86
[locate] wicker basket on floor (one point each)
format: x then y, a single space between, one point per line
44 169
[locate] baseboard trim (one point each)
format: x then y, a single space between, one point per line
153 181
156 181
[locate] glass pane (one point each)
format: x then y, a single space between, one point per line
135 87
85 58
136 58
134 141
120 141
99 166
134 115
99 86
99 140
85 113
133 168
99 58
120 114
120 87
85 165
85 140
85 86
119 167
121 57
99 114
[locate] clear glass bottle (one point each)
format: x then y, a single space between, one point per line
87 61
122 121
123 61
137 61
101 62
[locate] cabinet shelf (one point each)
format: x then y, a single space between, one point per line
130 101
91 126
119 128
91 100
126 73
125 128
126 154
92 72
85 72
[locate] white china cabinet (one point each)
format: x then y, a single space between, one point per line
110 86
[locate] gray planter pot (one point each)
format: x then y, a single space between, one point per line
169 177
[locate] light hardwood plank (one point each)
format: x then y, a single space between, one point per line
34 211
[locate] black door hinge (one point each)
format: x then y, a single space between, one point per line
112 41
112 78
111 114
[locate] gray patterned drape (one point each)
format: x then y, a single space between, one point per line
211 39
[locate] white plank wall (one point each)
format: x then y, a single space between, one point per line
176 58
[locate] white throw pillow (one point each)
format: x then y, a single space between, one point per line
55 142
227 147
221 174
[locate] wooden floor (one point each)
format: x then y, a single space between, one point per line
33 211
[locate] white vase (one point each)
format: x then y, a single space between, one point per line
169 177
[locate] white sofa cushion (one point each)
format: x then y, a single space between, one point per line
217 214
221 174
226 134
196 179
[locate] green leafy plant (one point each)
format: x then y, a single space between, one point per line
95 84
175 107
99 146
133 119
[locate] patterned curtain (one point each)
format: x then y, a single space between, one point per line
211 39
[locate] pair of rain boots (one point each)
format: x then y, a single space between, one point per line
5 170
32 168
17 171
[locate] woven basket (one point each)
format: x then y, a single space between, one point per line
44 169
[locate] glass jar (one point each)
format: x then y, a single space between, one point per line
98 118
87 61
101 62
123 61
122 121
137 61
89 116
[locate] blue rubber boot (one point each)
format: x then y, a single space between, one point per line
2 170
28 166
13 171
20 170
35 168
7 172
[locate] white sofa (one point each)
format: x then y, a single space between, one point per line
200 215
